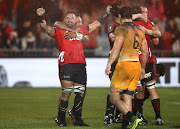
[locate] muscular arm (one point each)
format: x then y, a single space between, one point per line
144 58
115 52
48 29
155 32
155 41
112 37
94 26
62 26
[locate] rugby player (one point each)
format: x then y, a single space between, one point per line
72 64
109 115
128 69
152 34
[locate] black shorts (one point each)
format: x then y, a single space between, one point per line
148 73
73 72
113 66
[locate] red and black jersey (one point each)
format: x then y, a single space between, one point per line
149 25
71 50
151 59
111 29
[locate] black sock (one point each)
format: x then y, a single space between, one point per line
156 106
140 104
117 113
62 110
78 104
109 107
128 115
134 107
124 124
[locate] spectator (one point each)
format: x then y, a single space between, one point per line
5 32
46 43
172 28
26 27
176 48
13 41
29 41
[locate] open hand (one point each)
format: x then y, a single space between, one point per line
108 69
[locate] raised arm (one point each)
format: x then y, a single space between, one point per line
100 21
48 29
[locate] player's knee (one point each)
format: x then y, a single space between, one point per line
140 89
79 90
66 92
151 85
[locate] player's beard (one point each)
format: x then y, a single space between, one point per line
70 25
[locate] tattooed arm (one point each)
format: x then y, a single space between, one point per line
48 29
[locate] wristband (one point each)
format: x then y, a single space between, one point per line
148 32
79 36
41 19
103 18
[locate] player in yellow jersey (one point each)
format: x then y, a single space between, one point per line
128 42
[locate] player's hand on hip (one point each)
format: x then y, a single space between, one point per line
70 35
108 69
40 11
142 75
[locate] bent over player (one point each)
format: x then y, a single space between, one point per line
128 42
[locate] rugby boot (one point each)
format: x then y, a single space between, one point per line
108 120
118 119
134 121
79 122
61 122
159 121
72 114
144 121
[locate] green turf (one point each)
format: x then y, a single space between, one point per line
29 108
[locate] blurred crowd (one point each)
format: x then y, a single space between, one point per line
20 31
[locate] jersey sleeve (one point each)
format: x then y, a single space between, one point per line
111 29
120 31
57 33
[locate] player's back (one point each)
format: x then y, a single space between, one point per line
133 38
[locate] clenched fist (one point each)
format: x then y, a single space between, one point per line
40 11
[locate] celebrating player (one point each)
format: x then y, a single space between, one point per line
72 64
152 33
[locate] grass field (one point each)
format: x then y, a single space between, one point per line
36 108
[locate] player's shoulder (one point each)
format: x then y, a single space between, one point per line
122 29
112 27
151 23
